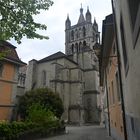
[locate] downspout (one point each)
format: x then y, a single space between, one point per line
119 73
109 130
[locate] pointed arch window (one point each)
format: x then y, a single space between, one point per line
80 46
84 43
72 35
76 47
84 31
76 34
80 33
72 48
43 77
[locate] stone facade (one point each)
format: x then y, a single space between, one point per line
127 19
73 75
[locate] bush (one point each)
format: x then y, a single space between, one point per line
25 130
45 97
14 129
37 113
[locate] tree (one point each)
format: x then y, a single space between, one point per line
44 96
16 18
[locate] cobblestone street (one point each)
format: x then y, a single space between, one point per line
83 133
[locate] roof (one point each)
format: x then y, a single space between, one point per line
81 18
55 56
10 53
5 43
107 39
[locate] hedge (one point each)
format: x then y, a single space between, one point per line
24 130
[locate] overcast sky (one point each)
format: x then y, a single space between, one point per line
55 19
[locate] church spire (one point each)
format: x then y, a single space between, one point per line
81 9
95 24
88 15
81 18
68 22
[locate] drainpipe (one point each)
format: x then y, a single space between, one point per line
109 130
119 73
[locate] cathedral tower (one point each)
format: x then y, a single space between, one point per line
82 35
80 43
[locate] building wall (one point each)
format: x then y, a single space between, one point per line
62 76
7 90
115 111
130 71
31 73
77 82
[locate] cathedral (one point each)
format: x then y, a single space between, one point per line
75 74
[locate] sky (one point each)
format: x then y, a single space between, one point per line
55 18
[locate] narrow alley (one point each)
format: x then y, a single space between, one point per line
83 133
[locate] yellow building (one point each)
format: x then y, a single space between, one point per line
110 80
9 66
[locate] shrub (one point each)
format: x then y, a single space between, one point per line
25 130
46 97
37 113
14 129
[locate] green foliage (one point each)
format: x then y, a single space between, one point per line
17 130
16 18
46 97
39 114
14 129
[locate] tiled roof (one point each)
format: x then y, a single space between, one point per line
10 52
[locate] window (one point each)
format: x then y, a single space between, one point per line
113 96
44 77
72 48
76 47
72 35
118 87
110 100
80 47
84 44
134 8
76 34
84 31
1 69
125 58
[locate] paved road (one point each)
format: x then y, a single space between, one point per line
83 133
